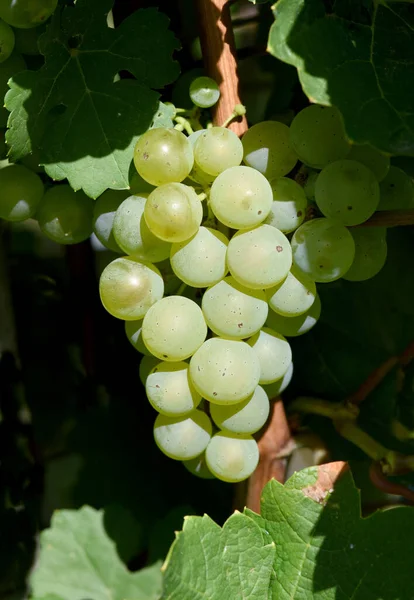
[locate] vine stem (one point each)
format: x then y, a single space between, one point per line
390 218
219 53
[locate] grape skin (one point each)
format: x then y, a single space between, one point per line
267 148
183 438
274 354
370 253
232 457
245 417
204 92
372 158
103 217
21 191
294 326
273 390
170 391
288 209
25 14
216 150
396 191
133 331
294 296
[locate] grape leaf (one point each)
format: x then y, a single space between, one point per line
78 561
323 549
84 122
206 561
357 56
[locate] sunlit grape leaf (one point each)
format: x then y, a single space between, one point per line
357 56
84 122
78 561
206 561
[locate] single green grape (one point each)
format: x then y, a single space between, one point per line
231 457
128 288
103 217
318 137
170 391
372 158
293 296
10 67
323 249
245 417
288 209
274 354
65 216
204 92
163 156
267 148
370 253
347 191
133 331
7 41
183 438
21 192
396 190
294 326
216 150
197 466
25 14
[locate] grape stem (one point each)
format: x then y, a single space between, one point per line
389 218
185 124
181 289
238 111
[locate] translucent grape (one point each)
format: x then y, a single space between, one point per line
216 150
372 158
133 331
274 354
396 191
318 137
370 253
174 328
65 216
225 371
163 156
323 249
6 40
25 14
201 260
294 296
204 92
197 174
241 197
170 390
145 367
294 326
259 258
128 288
198 467
132 234
267 148
173 212
14 64
289 205
183 438
244 417
234 311
347 191
273 390
232 457
21 191
103 217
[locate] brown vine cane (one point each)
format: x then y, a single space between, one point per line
219 53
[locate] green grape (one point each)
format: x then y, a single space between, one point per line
180 91
289 205
173 212
225 371
14 64
232 457
267 148
373 159
323 249
347 191
244 417
21 191
201 260
318 137
370 253
197 174
259 258
241 197
294 296
27 40
163 156
183 438
274 354
133 331
65 216
170 391
128 288
197 466
294 326
396 191
7 40
103 217
234 311
273 390
174 328
216 150
133 235
25 14
145 367
204 92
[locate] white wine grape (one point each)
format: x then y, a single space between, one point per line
183 438
294 296
170 391
267 148
294 326
370 253
274 354
288 209
232 457
103 217
216 150
21 191
245 417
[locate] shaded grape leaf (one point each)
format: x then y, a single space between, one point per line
358 56
78 561
85 123
207 561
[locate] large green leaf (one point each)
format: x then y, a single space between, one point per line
84 122
358 56
78 561
323 548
